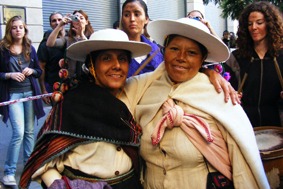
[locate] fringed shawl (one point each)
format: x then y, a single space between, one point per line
87 114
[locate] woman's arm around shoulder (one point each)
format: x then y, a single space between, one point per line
220 84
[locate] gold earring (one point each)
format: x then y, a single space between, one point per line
92 72
166 39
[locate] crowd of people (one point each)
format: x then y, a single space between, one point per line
143 112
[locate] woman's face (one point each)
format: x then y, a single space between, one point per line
257 26
82 21
183 59
195 14
111 69
134 18
18 30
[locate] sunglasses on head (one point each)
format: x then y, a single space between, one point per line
196 18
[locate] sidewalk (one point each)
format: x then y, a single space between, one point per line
5 136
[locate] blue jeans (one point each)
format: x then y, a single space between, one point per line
21 115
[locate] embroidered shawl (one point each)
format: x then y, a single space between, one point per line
88 113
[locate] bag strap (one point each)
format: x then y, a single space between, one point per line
278 72
206 164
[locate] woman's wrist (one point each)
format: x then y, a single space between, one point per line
83 37
8 75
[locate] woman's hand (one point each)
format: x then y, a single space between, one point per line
240 94
46 100
205 22
221 84
65 20
18 76
281 94
27 71
79 28
50 176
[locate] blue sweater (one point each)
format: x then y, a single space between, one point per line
152 65
5 84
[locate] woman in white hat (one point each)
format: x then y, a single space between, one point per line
209 134
90 139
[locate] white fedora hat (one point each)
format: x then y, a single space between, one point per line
106 39
193 29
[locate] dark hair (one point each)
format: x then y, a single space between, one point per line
54 14
172 36
143 4
196 11
225 32
88 27
116 25
273 19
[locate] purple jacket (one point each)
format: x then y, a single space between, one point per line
5 84
152 65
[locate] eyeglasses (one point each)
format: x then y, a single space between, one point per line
196 18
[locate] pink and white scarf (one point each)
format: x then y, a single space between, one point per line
208 141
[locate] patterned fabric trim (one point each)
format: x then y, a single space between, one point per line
50 148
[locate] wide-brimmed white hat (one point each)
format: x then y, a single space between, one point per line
106 39
193 29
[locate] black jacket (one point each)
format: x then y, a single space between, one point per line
261 90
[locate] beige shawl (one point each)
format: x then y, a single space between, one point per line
198 93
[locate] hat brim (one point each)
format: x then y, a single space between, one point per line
217 50
79 50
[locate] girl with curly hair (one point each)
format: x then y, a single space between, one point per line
259 47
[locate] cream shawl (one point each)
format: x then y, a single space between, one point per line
198 93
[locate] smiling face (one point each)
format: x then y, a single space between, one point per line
134 19
18 30
257 27
111 69
183 59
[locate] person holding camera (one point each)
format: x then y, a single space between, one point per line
197 15
80 29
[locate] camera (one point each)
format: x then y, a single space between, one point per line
74 18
